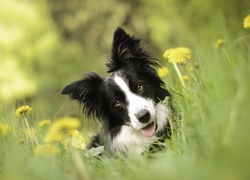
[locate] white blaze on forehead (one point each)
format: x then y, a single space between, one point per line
135 103
122 84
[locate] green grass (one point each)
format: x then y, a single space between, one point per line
210 139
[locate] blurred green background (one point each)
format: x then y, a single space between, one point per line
46 44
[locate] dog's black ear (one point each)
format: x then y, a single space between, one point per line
126 50
86 91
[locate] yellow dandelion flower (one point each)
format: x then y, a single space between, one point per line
46 150
4 128
219 43
162 71
167 52
79 142
54 136
246 22
61 128
74 133
178 55
185 77
23 110
44 122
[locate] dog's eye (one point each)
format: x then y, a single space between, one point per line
117 103
139 87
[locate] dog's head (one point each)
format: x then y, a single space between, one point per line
130 95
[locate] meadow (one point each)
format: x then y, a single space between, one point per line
209 120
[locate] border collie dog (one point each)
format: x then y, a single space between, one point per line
128 103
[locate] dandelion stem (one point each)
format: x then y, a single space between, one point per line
27 124
80 167
226 55
179 75
28 127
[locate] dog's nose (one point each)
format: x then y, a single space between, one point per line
143 116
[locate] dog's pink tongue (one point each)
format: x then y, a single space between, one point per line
149 130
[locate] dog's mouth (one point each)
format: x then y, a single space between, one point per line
149 130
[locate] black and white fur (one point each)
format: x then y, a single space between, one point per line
128 103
